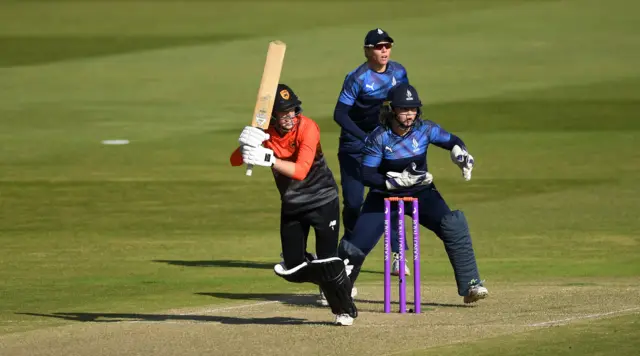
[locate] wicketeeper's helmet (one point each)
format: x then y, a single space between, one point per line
402 95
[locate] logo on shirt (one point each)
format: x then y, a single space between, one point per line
370 86
292 143
332 224
393 81
416 145
387 148
409 95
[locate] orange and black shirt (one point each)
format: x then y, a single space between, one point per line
312 184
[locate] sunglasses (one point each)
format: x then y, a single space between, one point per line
380 46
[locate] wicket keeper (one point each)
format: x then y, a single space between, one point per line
395 164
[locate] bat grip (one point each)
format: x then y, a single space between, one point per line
249 169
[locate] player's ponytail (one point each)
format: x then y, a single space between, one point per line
386 114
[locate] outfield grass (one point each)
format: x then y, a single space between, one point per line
545 93
618 336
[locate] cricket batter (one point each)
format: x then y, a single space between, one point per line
357 112
309 194
394 163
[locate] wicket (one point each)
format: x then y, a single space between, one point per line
387 254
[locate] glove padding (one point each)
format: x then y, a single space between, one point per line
461 158
410 177
252 136
258 156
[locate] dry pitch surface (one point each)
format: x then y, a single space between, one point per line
294 325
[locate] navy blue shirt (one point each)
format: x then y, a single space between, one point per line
386 151
358 108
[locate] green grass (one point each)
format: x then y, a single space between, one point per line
545 93
617 336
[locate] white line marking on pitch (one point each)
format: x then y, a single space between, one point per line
230 308
200 311
590 316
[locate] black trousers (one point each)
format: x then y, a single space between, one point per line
294 232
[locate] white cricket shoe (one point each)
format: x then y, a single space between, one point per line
323 301
476 292
344 320
395 266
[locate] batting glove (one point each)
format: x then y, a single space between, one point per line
252 136
258 156
461 158
408 178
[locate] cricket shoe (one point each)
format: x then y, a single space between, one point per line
323 301
395 266
476 292
344 320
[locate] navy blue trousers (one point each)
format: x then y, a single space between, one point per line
435 215
353 196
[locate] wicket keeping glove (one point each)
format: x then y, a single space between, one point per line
252 136
410 177
258 156
461 158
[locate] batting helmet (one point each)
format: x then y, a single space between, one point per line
286 99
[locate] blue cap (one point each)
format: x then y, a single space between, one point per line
376 36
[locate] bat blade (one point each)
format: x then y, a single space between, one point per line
268 85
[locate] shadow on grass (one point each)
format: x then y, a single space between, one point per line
306 300
410 304
220 263
122 317
232 264
300 300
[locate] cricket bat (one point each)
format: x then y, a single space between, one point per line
268 86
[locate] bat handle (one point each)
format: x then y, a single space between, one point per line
249 169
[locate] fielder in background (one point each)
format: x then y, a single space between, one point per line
395 164
357 112
309 194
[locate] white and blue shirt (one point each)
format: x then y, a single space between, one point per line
385 151
363 92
